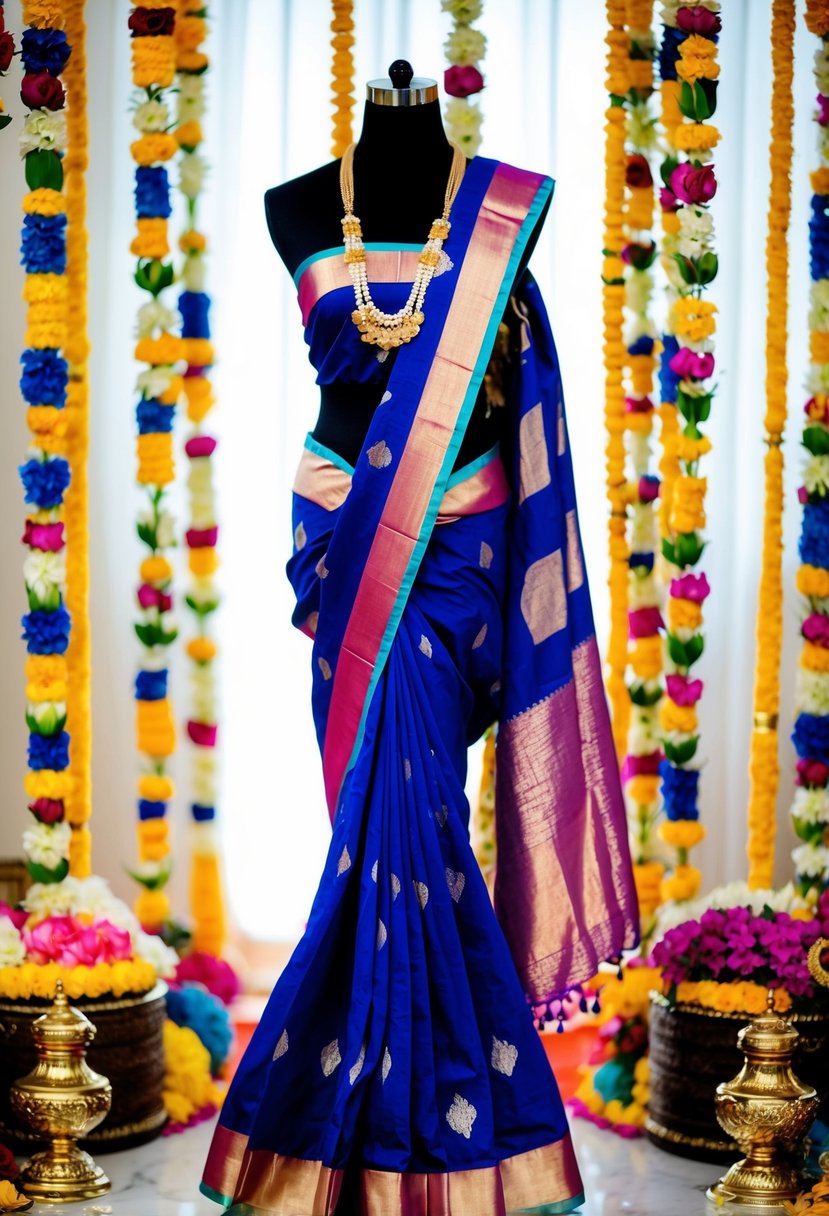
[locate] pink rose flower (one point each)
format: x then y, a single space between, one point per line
812 772
47 810
667 199
816 629
462 80
802 495
695 19
683 691
151 597
693 587
51 940
638 405
48 537
200 445
691 185
688 364
104 942
201 538
648 488
17 916
39 90
203 734
644 622
822 109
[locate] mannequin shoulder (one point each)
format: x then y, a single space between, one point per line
304 214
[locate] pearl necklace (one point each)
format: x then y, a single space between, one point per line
385 329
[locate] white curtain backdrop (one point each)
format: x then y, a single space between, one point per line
269 121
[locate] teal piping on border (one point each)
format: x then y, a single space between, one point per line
544 192
217 1197
550 1209
461 474
337 251
319 449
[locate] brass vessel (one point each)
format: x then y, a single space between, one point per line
62 1100
768 1111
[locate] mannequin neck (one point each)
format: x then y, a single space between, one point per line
402 140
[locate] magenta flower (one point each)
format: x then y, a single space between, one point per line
215 974
816 629
48 537
812 772
52 940
692 185
687 364
200 445
667 199
201 538
683 691
641 766
648 488
203 734
47 810
802 495
462 80
693 587
104 942
822 109
151 597
644 622
17 916
638 405
694 19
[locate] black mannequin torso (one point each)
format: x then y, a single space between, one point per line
401 167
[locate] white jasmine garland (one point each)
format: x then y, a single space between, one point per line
155 381
204 593
811 860
644 736
154 316
204 776
151 116
47 844
204 839
43 129
152 949
642 129
192 171
190 97
194 274
811 692
46 713
640 449
465 46
638 291
642 528
811 805
44 572
821 70
12 950
816 474
817 381
166 530
463 11
203 692
643 591
819 305
154 658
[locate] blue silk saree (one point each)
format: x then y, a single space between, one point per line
397 1070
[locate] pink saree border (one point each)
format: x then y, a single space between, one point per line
330 272
504 210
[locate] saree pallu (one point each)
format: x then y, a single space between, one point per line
396 1070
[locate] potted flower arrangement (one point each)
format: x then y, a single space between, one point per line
717 968
77 931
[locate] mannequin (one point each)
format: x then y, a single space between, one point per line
401 164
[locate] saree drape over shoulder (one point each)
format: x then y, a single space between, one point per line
397 1070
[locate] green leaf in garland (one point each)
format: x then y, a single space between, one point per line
44 603
666 169
44 170
153 275
812 833
688 549
816 440
640 694
44 874
147 533
148 635
680 753
707 267
685 654
153 882
201 607
668 552
5 119
48 720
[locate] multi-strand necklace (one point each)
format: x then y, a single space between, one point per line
388 329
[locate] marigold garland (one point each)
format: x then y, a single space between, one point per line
640 770
342 75
202 598
764 765
465 48
78 655
159 387
810 808
613 299
47 471
689 71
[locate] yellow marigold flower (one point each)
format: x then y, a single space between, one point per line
640 206
192 241
11 1200
44 670
813 581
152 908
201 649
683 883
646 657
670 222
172 394
193 61
45 14
681 833
45 333
696 67
683 614
48 783
189 134
166 348
814 658
203 561
153 847
642 424
80 853
44 202
153 62
647 875
150 241
641 373
691 449
640 73
155 788
156 570
819 179
153 147
38 287
817 17
198 351
673 717
155 727
643 788
687 521
190 31
45 978
819 346
45 420
155 458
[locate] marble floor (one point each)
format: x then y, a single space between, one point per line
622 1178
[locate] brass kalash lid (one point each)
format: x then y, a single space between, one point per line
768 1037
62 1027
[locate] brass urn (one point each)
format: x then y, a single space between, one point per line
62 1100
768 1111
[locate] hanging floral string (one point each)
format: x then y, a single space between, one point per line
6 53
46 472
78 656
206 902
342 74
689 88
810 809
465 48
764 765
159 387
613 299
640 770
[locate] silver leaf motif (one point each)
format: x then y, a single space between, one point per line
325 668
422 892
485 560
386 397
374 872
407 769
381 935
442 815
461 1115
456 882
386 1067
357 1067
395 887
311 623
425 646
379 456
504 1056
321 569
330 1057
281 1048
480 637
345 861
300 535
